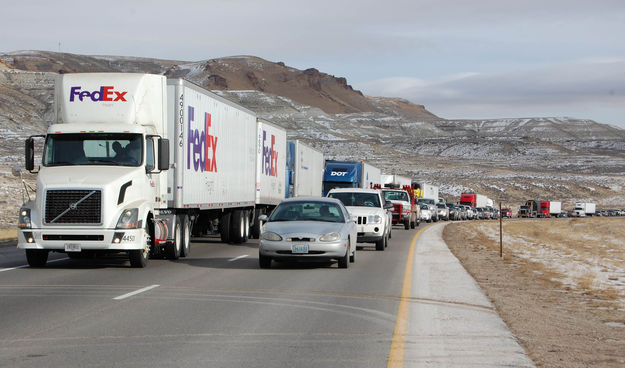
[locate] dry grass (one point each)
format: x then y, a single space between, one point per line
8 234
560 287
585 255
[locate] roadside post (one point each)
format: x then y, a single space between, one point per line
500 232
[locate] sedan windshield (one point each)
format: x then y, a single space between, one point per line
357 199
307 211
117 149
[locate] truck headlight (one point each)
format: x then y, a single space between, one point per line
374 219
128 219
23 221
330 237
271 236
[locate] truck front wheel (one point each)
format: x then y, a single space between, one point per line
406 223
37 257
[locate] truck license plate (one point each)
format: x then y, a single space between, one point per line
299 248
72 247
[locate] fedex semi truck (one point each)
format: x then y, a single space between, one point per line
305 166
135 163
350 174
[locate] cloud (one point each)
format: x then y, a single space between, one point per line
563 89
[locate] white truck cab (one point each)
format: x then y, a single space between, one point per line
102 177
371 211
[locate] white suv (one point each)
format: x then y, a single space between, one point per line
368 208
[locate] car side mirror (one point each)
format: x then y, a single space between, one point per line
263 218
354 219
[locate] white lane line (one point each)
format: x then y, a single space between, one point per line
237 258
25 266
135 292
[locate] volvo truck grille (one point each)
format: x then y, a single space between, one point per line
73 207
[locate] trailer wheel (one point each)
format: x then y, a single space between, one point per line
237 226
37 257
186 236
255 225
173 248
224 227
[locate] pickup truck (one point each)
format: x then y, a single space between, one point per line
404 210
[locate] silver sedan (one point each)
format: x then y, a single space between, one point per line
308 228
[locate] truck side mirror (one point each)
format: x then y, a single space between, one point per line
163 154
29 154
388 205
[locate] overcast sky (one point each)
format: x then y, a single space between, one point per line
461 59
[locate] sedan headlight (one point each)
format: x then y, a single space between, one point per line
128 219
330 237
23 221
271 236
374 219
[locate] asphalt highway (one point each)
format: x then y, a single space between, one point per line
217 308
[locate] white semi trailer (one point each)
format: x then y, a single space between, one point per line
135 163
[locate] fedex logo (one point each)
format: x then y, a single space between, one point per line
202 146
270 156
105 93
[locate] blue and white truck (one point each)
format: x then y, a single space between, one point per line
350 174
304 170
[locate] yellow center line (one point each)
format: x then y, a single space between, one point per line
396 355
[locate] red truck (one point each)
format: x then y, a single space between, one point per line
405 211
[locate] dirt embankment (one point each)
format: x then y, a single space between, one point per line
560 286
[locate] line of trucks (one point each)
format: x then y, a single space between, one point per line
139 163
546 209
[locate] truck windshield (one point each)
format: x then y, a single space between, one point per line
116 149
395 196
357 199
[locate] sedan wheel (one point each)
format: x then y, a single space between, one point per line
344 261
264 261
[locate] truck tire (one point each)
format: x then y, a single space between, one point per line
173 248
255 225
406 223
238 226
224 227
380 244
185 251
413 224
37 257
139 257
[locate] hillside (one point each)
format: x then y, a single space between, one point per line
510 160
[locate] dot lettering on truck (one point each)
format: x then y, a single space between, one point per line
199 142
105 93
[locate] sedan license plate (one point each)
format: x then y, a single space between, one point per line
299 248
72 247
